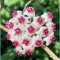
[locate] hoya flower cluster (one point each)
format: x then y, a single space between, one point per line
27 31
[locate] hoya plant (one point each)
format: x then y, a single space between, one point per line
26 31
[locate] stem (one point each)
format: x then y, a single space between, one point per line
3 28
50 53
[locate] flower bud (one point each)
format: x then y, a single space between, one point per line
29 12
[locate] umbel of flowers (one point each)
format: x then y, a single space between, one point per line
27 31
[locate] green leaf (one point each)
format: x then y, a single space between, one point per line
10 55
10 2
2 11
21 2
5 12
3 21
46 58
57 45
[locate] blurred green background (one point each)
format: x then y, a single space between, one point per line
7 7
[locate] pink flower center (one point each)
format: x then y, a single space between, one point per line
53 26
14 14
15 43
30 10
9 25
52 38
50 15
31 29
45 31
26 42
18 52
40 20
21 19
8 36
18 31
38 43
28 52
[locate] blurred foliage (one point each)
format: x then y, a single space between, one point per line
7 7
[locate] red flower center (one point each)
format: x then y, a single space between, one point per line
28 52
18 31
53 26
21 19
18 52
52 38
31 29
38 43
9 25
26 42
8 36
45 31
50 15
15 43
39 20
